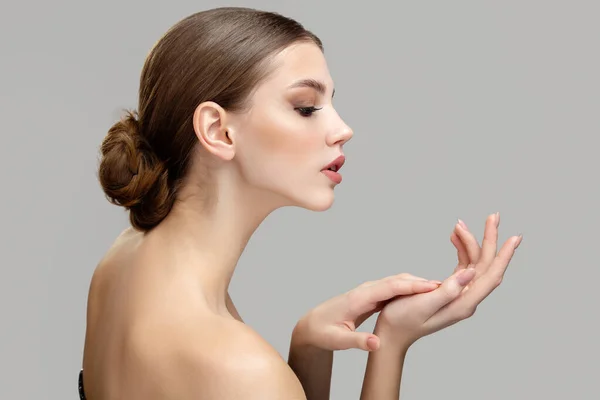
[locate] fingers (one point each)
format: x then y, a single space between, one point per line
387 289
363 298
403 275
489 244
461 251
495 273
470 242
413 277
345 340
466 305
449 290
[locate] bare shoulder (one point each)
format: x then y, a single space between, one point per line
250 368
228 361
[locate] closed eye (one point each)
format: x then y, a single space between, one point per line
307 111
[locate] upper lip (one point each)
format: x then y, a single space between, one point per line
336 164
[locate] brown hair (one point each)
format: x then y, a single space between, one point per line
216 55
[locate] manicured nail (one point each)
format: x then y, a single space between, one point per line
497 219
461 223
436 282
465 276
518 240
373 343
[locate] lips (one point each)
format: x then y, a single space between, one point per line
331 169
335 165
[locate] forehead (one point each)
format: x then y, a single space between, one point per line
297 62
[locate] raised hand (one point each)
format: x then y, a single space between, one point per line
332 325
478 273
468 250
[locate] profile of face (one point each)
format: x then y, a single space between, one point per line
285 141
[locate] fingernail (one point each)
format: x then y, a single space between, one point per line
497 219
518 240
372 343
461 223
436 282
465 276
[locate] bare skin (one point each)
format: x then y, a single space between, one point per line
160 321
161 324
142 317
143 345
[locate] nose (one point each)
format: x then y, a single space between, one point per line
340 136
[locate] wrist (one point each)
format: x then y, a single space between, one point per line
304 354
302 339
392 339
312 365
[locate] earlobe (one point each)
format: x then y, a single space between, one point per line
210 127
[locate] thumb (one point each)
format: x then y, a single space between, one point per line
359 340
450 289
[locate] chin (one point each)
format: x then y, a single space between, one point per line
315 198
318 201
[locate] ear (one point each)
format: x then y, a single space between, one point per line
210 126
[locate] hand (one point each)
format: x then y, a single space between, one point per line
478 273
468 250
332 325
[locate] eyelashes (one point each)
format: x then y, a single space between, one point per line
307 111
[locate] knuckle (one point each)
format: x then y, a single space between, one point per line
501 258
353 299
468 312
490 240
397 285
351 296
472 311
450 292
497 280
496 276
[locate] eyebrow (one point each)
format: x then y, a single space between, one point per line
312 83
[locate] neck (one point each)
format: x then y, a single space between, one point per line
208 237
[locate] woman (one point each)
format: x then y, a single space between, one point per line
235 120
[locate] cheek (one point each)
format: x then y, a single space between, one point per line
287 137
282 141
284 155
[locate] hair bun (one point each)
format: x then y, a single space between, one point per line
131 174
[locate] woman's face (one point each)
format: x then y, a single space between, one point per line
292 132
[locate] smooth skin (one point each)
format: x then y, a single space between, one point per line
402 322
403 319
216 366
160 321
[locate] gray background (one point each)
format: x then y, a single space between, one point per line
460 109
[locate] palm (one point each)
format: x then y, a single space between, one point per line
482 268
468 253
